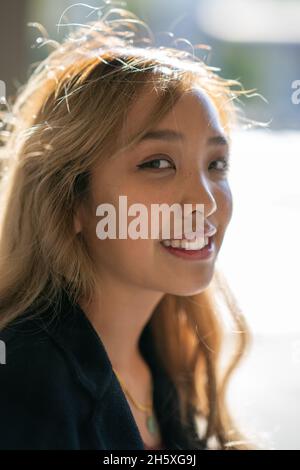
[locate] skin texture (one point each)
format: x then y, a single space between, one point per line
135 274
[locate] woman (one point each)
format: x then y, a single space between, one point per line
115 343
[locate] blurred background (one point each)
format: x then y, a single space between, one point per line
258 43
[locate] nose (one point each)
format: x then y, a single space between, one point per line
198 190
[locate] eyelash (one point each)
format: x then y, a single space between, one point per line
142 166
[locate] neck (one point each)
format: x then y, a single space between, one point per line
119 318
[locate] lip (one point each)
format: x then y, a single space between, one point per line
203 254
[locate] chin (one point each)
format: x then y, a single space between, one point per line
186 291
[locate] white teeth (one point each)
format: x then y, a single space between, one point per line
196 244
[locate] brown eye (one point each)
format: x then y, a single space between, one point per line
156 164
224 167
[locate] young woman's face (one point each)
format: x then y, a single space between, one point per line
185 170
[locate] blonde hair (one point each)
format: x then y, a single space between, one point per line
66 118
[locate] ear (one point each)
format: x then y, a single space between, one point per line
77 221
77 226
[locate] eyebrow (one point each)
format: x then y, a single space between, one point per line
218 140
171 135
163 134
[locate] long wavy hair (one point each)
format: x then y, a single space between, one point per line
64 119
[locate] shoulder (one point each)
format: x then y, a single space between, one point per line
39 400
30 352
50 349
55 340
55 376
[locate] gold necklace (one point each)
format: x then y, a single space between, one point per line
151 422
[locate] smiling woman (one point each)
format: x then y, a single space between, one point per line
115 343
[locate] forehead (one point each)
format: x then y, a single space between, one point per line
193 113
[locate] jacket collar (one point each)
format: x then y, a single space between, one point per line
72 331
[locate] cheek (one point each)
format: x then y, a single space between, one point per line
223 213
128 259
224 204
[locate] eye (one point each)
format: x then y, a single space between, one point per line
156 164
225 165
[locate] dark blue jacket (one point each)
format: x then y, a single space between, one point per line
58 389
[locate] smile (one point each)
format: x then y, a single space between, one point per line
196 244
195 250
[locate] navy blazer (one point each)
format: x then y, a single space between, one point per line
58 389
